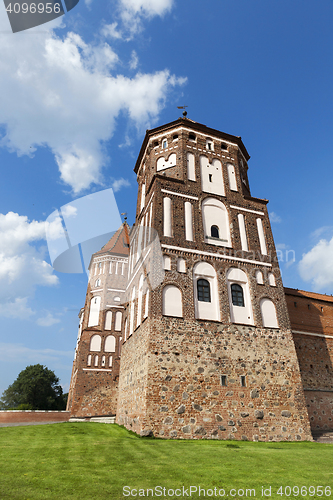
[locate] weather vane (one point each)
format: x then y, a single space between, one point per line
184 112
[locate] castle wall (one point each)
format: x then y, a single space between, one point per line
185 399
312 314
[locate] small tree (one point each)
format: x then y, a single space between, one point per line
36 386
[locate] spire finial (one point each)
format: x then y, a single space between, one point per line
184 112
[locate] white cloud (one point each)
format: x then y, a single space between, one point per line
133 64
119 183
274 217
61 93
317 265
22 265
111 31
48 320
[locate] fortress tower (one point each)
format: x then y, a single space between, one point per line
207 348
94 383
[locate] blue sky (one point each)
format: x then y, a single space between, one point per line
76 96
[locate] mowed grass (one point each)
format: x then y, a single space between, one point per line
95 461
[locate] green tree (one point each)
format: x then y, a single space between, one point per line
36 386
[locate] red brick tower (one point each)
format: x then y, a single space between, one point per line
94 383
208 352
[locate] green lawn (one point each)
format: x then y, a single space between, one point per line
95 461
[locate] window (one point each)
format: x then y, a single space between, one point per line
181 265
175 137
237 295
172 301
224 146
167 262
155 144
268 313
206 297
271 279
89 360
190 167
243 381
110 344
223 380
108 320
98 282
209 145
164 144
118 320
259 277
96 361
209 171
110 361
103 361
203 290
94 311
95 343
192 137
214 213
214 232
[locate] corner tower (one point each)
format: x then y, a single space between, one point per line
94 383
208 352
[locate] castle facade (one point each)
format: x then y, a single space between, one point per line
187 331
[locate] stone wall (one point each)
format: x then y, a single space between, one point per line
183 395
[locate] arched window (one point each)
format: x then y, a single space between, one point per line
96 361
271 279
232 177
110 344
95 343
110 361
95 304
259 277
98 282
117 324
211 176
268 313
190 167
108 320
167 262
237 295
203 288
167 217
214 214
172 301
181 265
163 164
164 143
214 232
206 299
89 360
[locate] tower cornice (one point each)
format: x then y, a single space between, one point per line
198 127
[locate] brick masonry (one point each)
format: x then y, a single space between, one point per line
182 377
32 416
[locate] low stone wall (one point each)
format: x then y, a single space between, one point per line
27 416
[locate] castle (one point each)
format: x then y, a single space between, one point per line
187 331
